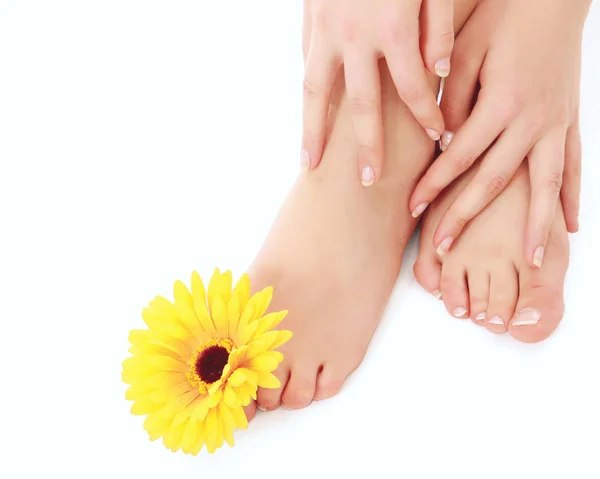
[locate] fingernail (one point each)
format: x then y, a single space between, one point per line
434 135
444 246
419 210
497 320
367 176
446 139
459 312
480 317
538 256
304 159
437 294
527 316
442 67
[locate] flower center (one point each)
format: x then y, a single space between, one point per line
210 364
207 363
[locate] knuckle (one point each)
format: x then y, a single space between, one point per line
461 163
554 182
348 29
411 94
311 89
495 185
396 31
361 106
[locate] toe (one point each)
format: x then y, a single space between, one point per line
329 382
250 411
541 305
478 281
427 272
454 289
270 399
504 291
301 386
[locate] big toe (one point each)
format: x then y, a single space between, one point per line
541 304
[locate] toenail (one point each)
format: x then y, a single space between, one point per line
538 256
419 210
367 176
262 408
480 317
446 139
497 320
459 312
442 67
527 316
304 159
434 135
437 294
444 246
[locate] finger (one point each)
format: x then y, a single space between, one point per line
546 163
319 78
410 78
363 87
306 28
572 178
479 131
496 170
460 88
437 39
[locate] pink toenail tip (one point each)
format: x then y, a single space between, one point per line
446 139
459 312
262 408
527 317
418 211
444 246
367 176
437 294
480 317
497 320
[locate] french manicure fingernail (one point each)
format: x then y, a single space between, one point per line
434 135
444 246
367 176
480 317
527 316
437 294
442 67
496 320
304 159
419 210
446 139
459 312
538 256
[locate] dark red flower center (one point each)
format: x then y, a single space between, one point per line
210 364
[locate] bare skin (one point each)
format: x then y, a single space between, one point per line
485 276
334 252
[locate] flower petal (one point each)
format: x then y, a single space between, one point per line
211 428
262 363
181 295
230 397
233 314
190 437
242 290
240 417
198 290
268 381
156 425
219 314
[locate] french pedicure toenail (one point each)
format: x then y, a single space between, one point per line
497 320
437 294
538 256
418 211
480 317
459 312
527 316
446 139
442 67
444 246
304 159
434 135
367 176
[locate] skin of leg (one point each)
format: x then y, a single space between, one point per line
504 293
334 251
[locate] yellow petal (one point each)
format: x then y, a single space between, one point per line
233 314
230 397
172 439
225 286
228 423
248 332
166 363
240 417
182 295
190 436
190 321
250 376
268 381
219 314
144 405
166 394
211 428
237 378
274 339
213 286
156 425
200 410
262 363
215 398
200 441
242 290
138 390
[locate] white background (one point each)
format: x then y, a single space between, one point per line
142 139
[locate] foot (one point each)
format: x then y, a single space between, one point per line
484 277
334 253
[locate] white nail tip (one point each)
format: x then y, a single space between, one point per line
459 312
437 294
496 320
527 317
419 210
480 317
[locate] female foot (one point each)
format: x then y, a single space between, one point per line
484 276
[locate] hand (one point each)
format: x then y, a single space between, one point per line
357 34
525 57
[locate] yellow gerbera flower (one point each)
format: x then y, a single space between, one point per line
201 360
